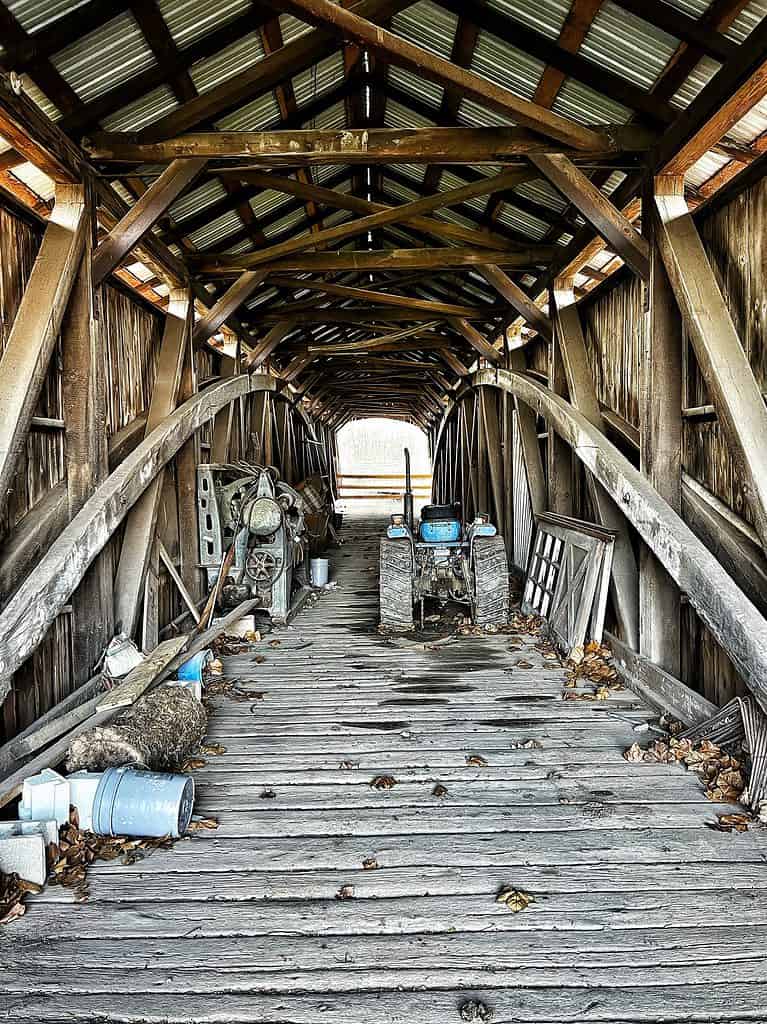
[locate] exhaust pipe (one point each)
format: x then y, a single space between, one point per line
408 495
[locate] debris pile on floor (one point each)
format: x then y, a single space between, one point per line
514 900
594 667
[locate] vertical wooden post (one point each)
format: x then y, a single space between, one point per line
528 438
187 461
492 445
224 421
140 524
85 444
660 417
580 384
559 456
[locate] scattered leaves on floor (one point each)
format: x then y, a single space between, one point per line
203 824
347 765
439 790
193 763
593 666
731 823
370 864
212 749
275 642
515 899
13 893
526 745
267 794
383 782
476 761
231 689
474 1010
346 892
522 663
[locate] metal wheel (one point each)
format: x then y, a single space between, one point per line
261 566
491 581
396 584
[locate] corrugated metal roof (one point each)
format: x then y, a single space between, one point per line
399 116
247 51
428 25
333 117
747 20
259 115
522 221
43 102
35 180
417 172
545 16
290 220
628 46
197 200
454 218
189 20
751 126
216 230
417 86
702 169
268 201
698 78
401 192
142 111
261 297
292 28
473 114
322 172
540 191
576 101
246 245
319 78
507 66
33 15
102 59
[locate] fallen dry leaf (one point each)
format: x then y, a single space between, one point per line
202 824
439 790
267 794
346 892
370 864
476 761
515 899
383 782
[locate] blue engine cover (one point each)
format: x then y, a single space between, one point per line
440 531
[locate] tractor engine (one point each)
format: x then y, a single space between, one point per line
263 517
440 573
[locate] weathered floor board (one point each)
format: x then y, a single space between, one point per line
641 912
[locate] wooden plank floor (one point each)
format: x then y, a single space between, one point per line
641 912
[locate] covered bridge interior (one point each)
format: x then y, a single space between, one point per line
536 231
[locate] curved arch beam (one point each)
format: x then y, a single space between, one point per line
28 615
732 618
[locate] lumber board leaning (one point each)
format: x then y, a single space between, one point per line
25 360
659 687
28 615
734 621
139 679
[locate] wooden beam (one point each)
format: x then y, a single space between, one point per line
235 295
28 615
386 343
477 341
140 526
722 360
83 387
264 348
660 417
619 233
143 215
733 620
580 384
347 201
386 259
363 225
368 314
402 53
306 147
24 362
518 299
376 297
724 100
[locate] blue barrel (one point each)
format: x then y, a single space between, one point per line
132 802
192 670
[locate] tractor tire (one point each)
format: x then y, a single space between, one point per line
396 584
491 582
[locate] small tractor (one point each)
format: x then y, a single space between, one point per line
443 560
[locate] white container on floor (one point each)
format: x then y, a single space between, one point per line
319 569
45 796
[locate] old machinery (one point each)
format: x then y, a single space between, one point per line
443 559
263 517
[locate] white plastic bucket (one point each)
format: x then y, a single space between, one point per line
133 802
319 569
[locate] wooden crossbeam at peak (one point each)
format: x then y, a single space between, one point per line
386 259
305 147
363 314
402 53
518 299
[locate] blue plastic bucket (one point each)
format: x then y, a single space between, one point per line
192 670
132 802
319 571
